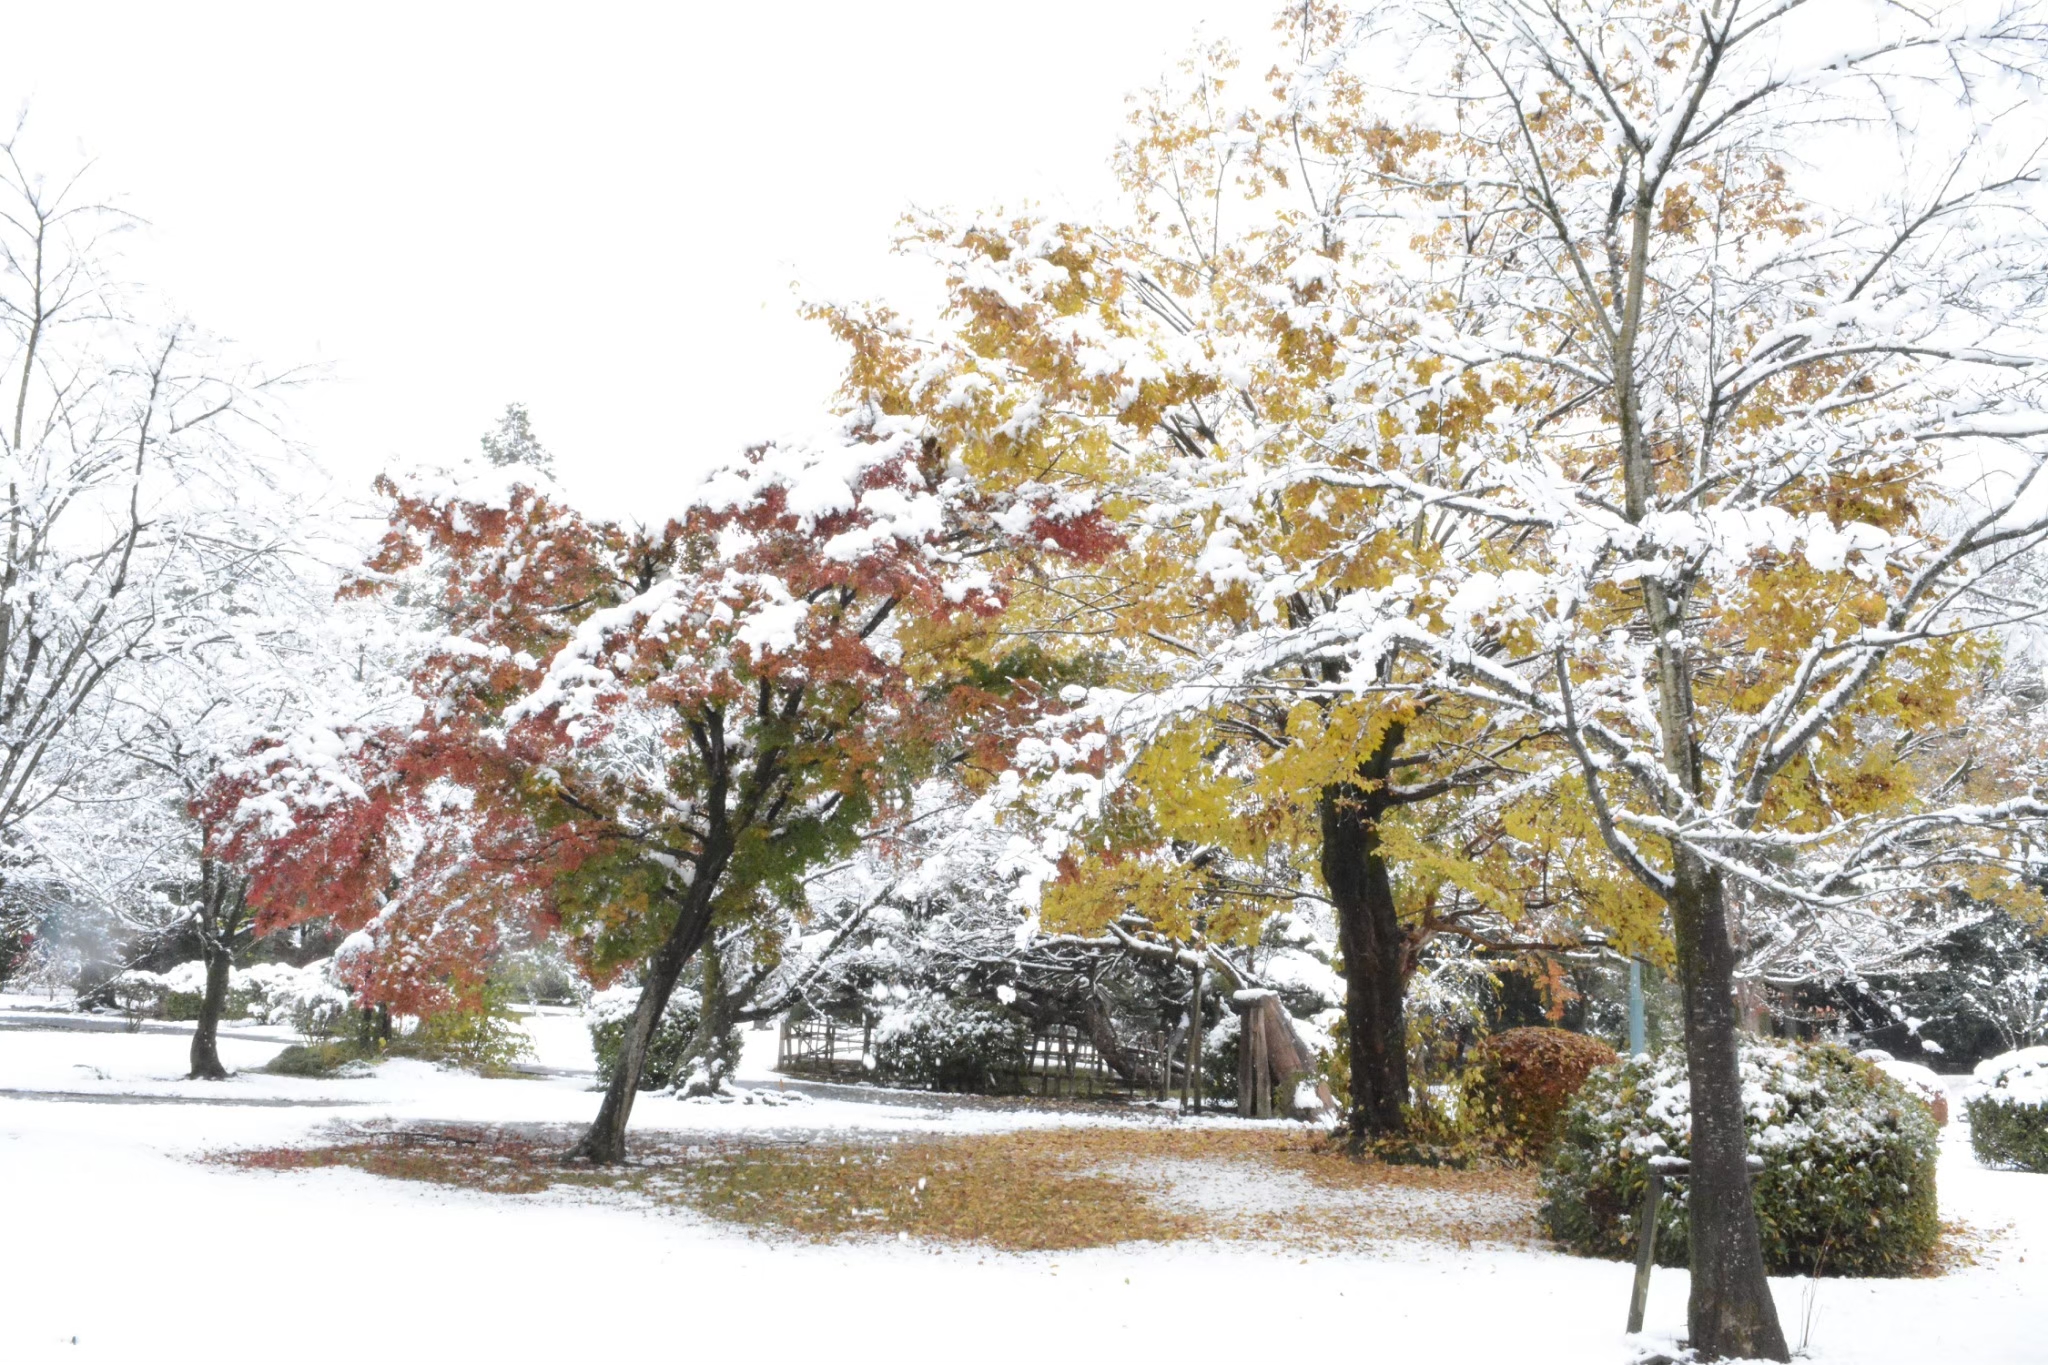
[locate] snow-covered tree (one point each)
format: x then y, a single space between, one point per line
1184 367
126 442
638 736
252 651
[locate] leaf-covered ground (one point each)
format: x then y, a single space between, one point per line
1036 1190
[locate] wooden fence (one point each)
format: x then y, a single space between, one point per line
825 1047
1057 1061
1062 1061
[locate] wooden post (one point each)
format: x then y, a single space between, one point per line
1646 1249
1262 1061
1195 1043
1661 1167
1245 1103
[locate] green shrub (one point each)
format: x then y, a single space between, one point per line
323 1059
966 1046
1848 1181
2008 1110
486 1039
1526 1077
1222 1046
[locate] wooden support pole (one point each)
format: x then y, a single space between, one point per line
1262 1061
1245 1102
1646 1249
1195 1044
1661 1168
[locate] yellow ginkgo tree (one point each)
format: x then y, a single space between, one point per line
1194 375
1767 440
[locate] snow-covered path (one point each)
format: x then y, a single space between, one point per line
114 1245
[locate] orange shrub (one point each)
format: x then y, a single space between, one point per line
1528 1075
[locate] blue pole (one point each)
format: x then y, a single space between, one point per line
1635 1008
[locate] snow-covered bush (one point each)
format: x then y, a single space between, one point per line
2008 1109
1918 1080
1848 1181
1972 994
483 1035
173 994
542 974
959 1045
1222 1044
669 1059
306 997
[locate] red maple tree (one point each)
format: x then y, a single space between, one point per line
627 736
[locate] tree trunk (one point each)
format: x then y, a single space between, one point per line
604 1143
206 1034
1101 1026
221 904
1731 1312
713 1019
1369 934
1273 1062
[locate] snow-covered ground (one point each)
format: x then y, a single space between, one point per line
115 1245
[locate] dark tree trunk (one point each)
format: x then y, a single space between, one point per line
1374 946
1731 1312
604 1143
223 910
1101 1026
206 1034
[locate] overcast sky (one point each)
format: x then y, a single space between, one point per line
596 210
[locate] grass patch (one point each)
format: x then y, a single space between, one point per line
1042 1190
322 1059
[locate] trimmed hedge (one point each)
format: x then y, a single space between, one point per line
1528 1075
2008 1110
1848 1181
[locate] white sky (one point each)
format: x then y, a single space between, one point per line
598 211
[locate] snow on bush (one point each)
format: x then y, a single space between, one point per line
173 994
1222 1044
1848 1181
669 1052
2008 1108
959 1045
305 997
1917 1079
